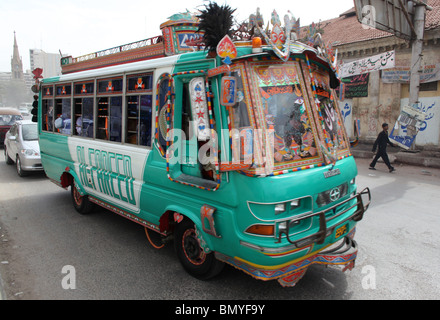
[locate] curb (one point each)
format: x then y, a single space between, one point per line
414 159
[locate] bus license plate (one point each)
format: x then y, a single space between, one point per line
341 231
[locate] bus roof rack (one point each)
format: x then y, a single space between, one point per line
179 35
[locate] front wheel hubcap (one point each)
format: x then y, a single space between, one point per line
191 247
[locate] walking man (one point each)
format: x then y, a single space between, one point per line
381 142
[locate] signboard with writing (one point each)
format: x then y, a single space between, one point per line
431 73
429 129
381 61
354 87
407 127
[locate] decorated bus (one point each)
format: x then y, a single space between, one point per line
225 140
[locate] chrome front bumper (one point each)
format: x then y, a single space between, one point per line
325 226
342 253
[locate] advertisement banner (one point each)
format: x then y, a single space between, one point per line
407 127
381 61
431 73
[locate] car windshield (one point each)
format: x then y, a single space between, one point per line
8 119
30 132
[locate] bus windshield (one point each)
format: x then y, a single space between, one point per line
276 102
285 112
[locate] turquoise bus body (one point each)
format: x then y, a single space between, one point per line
137 183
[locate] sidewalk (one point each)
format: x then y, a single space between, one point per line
429 159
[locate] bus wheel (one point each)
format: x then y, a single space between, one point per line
194 260
82 204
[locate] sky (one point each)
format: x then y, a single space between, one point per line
80 27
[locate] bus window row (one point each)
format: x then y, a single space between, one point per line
99 114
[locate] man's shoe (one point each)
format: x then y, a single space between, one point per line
392 170
372 168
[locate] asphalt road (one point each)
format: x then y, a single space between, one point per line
42 235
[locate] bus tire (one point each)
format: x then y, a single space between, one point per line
192 257
82 204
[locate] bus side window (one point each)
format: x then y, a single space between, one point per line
115 119
162 104
110 119
145 121
102 129
87 118
138 129
47 112
62 116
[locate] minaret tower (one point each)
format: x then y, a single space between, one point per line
16 63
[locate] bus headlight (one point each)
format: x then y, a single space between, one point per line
294 204
280 208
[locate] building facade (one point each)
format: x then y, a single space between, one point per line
49 62
15 86
378 97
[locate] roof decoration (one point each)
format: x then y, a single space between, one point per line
216 22
226 49
187 16
278 38
282 39
206 29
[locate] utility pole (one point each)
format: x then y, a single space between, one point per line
416 59
417 53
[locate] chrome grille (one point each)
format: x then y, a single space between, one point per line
332 195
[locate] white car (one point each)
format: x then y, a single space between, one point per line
21 147
24 111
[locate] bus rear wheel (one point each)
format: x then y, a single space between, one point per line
193 258
82 204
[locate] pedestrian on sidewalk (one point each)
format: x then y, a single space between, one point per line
381 144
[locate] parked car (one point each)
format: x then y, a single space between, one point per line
21 147
24 111
8 117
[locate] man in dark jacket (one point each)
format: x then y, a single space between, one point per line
382 141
